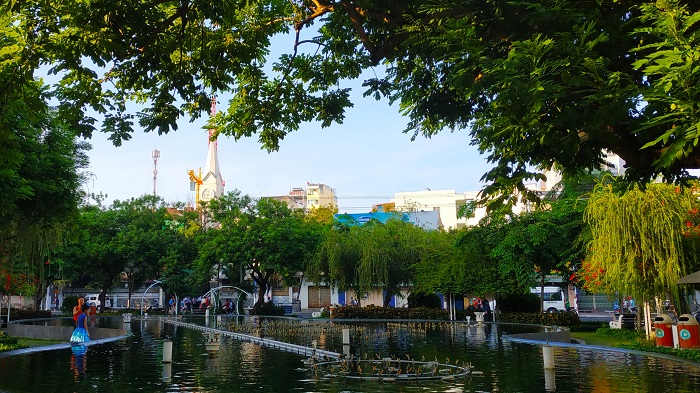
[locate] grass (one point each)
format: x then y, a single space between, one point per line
591 338
35 342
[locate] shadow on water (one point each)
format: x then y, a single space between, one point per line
135 363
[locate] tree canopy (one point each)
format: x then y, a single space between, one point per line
261 237
535 83
129 237
643 241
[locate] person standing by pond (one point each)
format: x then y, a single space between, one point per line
77 310
80 334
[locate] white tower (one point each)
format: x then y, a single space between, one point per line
212 182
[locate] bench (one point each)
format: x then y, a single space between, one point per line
626 321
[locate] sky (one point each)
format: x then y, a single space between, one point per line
367 159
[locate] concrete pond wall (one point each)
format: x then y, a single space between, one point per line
28 330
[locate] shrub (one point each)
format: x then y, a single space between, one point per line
376 312
267 308
69 302
650 346
557 318
20 313
620 333
588 326
430 300
8 343
519 303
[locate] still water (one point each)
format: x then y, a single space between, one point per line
134 364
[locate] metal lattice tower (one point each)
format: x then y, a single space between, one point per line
155 154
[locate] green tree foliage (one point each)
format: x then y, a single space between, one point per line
536 82
643 241
362 258
128 236
502 254
41 165
262 237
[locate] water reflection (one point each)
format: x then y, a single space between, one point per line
135 364
78 360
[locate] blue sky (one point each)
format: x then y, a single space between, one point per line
366 159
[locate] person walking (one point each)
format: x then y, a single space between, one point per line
81 334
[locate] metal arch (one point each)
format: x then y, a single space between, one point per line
214 292
157 282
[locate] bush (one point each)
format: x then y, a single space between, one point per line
588 326
7 340
620 333
650 346
8 343
20 313
557 318
519 303
376 312
430 300
267 308
69 302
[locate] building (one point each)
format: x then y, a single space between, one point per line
314 195
320 195
447 203
428 220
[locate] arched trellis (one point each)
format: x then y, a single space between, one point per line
158 282
214 293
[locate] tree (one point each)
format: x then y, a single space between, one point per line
127 236
41 171
374 255
643 241
537 83
501 255
262 237
336 259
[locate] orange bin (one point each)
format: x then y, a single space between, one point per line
688 332
664 330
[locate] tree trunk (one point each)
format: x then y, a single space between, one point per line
541 292
262 288
387 298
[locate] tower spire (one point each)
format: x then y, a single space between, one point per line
212 165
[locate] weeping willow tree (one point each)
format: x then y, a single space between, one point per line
639 240
362 258
336 260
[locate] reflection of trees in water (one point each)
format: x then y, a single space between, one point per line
78 359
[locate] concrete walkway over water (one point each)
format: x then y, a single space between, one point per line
266 342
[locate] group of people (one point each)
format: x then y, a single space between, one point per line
188 304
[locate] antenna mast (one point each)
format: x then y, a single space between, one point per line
155 154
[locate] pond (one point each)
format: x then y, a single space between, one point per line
498 363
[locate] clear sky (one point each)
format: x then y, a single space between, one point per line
366 159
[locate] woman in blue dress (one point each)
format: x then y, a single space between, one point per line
80 334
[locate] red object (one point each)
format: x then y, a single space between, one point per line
688 332
664 331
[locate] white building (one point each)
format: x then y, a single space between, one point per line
446 202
